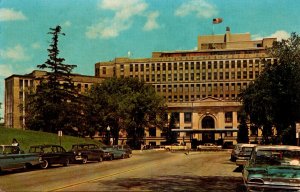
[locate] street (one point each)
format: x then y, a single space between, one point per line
145 171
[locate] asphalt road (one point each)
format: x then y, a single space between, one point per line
145 171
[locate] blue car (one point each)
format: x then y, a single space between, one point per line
11 157
115 152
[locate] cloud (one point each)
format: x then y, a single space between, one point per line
151 21
124 13
36 45
11 15
16 53
201 8
5 70
280 34
67 24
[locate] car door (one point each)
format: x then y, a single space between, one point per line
61 154
10 159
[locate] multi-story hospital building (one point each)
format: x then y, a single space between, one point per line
200 86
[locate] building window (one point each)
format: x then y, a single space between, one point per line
175 66
152 132
187 117
228 117
136 67
186 77
104 70
131 67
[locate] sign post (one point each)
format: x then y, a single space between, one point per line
59 136
298 133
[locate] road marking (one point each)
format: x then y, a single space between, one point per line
98 178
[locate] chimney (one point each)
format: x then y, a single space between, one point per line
227 36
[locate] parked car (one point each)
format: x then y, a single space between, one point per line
11 157
244 154
85 152
125 148
209 147
235 151
52 154
115 152
175 146
273 168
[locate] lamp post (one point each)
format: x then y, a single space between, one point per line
108 135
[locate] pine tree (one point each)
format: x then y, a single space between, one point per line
55 104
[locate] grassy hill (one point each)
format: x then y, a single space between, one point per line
27 138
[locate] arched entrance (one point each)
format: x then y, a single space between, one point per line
208 123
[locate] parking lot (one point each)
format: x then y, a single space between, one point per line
146 171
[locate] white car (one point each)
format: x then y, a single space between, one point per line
209 147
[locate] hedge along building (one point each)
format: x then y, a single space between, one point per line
200 86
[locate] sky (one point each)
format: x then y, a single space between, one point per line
101 30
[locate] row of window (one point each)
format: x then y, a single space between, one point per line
174 66
200 87
217 76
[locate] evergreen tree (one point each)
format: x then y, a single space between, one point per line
55 104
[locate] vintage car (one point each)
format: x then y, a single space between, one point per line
115 152
88 152
244 154
52 154
175 146
273 168
125 148
209 147
235 151
11 157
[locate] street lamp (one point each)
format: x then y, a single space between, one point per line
108 135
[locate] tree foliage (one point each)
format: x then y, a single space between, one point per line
127 104
55 104
243 130
274 97
171 136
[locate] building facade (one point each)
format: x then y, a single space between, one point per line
16 88
200 86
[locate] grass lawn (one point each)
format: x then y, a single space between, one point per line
26 138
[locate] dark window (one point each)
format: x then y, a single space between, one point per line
152 132
187 117
228 117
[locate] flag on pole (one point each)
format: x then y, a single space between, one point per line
217 20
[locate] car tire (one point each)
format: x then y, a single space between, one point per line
67 162
45 164
84 160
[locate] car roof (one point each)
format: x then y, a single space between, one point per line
83 144
248 145
277 147
46 145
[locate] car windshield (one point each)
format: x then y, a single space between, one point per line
278 157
